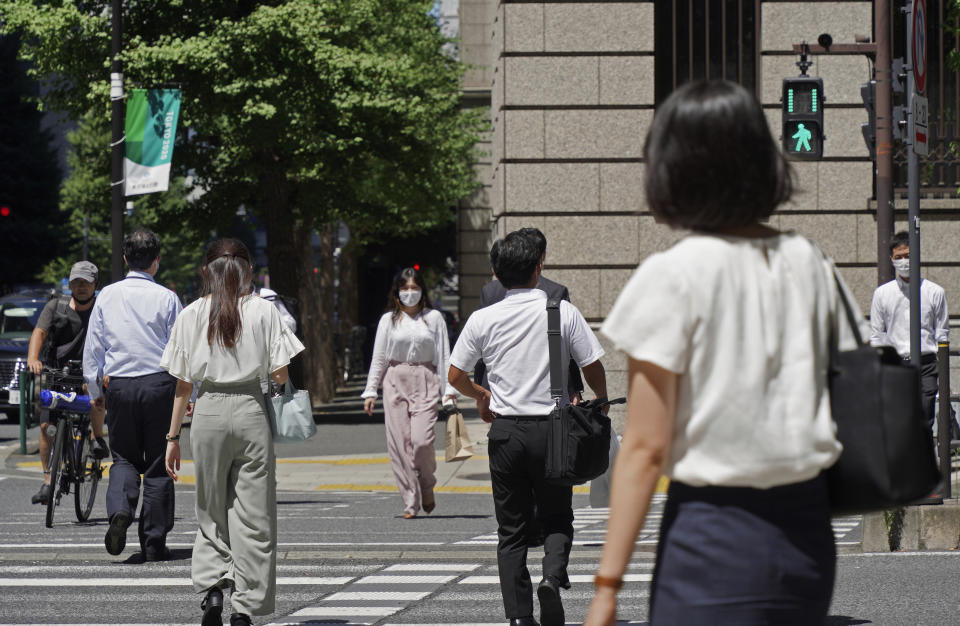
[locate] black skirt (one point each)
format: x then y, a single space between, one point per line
733 555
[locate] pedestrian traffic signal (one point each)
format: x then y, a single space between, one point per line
868 93
802 115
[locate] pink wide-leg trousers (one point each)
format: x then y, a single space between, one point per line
411 392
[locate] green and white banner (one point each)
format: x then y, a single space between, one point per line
151 127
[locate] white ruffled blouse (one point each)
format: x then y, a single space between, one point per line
418 339
264 346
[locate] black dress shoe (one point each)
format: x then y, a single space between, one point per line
212 607
523 621
240 619
163 554
116 537
42 496
551 608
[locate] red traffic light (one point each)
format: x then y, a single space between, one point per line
416 266
4 211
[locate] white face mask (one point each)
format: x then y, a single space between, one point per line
902 267
410 297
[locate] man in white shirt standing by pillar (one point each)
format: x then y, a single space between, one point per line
129 328
511 338
890 319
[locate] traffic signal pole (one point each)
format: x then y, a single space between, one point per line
913 212
884 162
116 145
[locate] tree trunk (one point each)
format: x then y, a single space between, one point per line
319 290
290 257
348 304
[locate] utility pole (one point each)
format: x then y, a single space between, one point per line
116 145
884 164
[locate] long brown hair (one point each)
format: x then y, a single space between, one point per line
393 299
227 276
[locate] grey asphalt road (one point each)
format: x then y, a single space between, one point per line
346 557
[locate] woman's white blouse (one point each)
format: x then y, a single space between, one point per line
745 324
264 346
419 339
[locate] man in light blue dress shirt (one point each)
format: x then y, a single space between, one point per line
128 330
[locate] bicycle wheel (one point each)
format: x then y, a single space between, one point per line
56 467
87 477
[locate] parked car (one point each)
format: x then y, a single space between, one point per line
18 315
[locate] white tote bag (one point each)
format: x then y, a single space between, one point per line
291 415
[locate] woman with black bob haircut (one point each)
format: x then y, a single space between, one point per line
726 335
230 341
410 352
711 160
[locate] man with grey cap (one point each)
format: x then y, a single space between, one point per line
60 334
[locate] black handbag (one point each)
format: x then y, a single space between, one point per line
578 437
888 458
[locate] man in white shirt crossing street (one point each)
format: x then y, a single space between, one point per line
511 338
129 327
890 319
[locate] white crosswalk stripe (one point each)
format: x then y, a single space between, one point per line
590 527
370 598
363 592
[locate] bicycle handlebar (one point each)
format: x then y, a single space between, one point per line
65 401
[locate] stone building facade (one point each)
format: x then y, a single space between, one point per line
572 89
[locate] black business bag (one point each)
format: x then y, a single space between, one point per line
578 439
888 459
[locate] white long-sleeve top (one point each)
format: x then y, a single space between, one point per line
419 339
890 316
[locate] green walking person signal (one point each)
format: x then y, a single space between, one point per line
803 138
802 117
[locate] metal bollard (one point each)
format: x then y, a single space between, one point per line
944 420
26 397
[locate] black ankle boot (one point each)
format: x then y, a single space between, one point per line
212 607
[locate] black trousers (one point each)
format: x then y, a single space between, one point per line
517 449
138 416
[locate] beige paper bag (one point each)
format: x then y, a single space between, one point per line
459 447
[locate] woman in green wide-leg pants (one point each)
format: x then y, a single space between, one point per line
230 342
236 496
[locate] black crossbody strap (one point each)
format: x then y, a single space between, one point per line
553 342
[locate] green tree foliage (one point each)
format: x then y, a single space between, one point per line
86 193
305 111
29 175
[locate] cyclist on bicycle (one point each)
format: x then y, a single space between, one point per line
60 333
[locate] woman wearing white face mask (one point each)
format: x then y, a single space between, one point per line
410 356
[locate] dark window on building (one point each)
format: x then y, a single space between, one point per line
704 39
941 168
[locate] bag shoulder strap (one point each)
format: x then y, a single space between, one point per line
842 300
63 303
847 307
553 342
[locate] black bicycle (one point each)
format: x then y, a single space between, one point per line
73 464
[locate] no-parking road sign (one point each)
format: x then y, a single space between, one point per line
918 36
